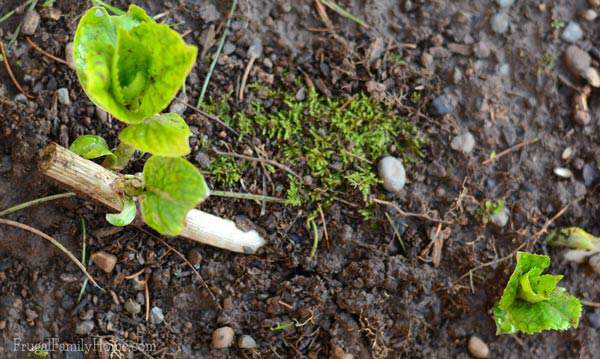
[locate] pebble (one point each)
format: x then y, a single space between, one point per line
594 318
478 348
563 172
202 159
577 60
463 143
572 32
132 307
246 342
482 49
104 261
222 338
391 172
63 96
590 174
594 262
30 22
179 107
500 22
505 3
157 315
101 115
426 59
567 153
590 14
443 104
85 327
69 55
501 218
229 48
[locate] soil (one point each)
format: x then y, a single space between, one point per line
366 294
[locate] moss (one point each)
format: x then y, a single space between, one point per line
334 141
225 170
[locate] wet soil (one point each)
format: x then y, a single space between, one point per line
366 294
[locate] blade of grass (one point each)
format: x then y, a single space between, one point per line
249 196
345 13
313 251
83 258
56 243
18 30
35 202
13 11
217 53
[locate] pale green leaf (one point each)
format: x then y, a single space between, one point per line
574 238
126 216
173 187
163 135
129 65
90 147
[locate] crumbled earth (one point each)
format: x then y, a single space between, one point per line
367 293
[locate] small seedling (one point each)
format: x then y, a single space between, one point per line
579 243
491 208
532 302
132 67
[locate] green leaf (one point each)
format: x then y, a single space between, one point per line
173 187
532 302
574 238
126 216
129 65
90 147
163 135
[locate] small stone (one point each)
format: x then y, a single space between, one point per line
482 49
101 115
590 174
426 59
594 318
592 77
567 153
85 327
443 104
104 261
577 60
222 338
505 3
194 256
500 22
392 173
463 143
178 105
157 315
563 172
63 96
301 94
203 160
572 32
594 262
501 218
69 55
478 348
132 307
229 48
589 15
2 324
30 22
246 342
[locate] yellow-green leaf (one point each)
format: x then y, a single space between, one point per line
163 135
126 216
90 147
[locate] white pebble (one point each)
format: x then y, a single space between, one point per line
391 172
222 338
563 172
505 3
572 32
463 143
478 348
501 218
246 342
132 307
499 23
30 22
63 96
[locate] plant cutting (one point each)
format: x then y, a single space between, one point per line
132 67
532 302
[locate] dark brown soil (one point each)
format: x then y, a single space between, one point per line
364 295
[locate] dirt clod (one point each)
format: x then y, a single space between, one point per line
104 261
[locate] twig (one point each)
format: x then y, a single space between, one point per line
396 233
83 258
410 214
217 53
323 14
509 150
345 13
259 159
136 274
325 234
209 116
255 197
35 202
245 77
11 74
313 225
147 297
44 52
54 242
590 304
170 247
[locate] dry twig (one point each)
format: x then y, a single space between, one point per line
11 74
44 52
510 150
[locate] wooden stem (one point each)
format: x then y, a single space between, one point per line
95 182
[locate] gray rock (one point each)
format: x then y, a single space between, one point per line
157 315
463 143
501 218
30 22
132 307
229 48
246 342
482 49
505 3
590 174
478 348
594 318
63 96
222 338
392 173
594 262
577 60
177 106
203 160
208 12
21 98
69 55
443 104
85 327
500 22
572 32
